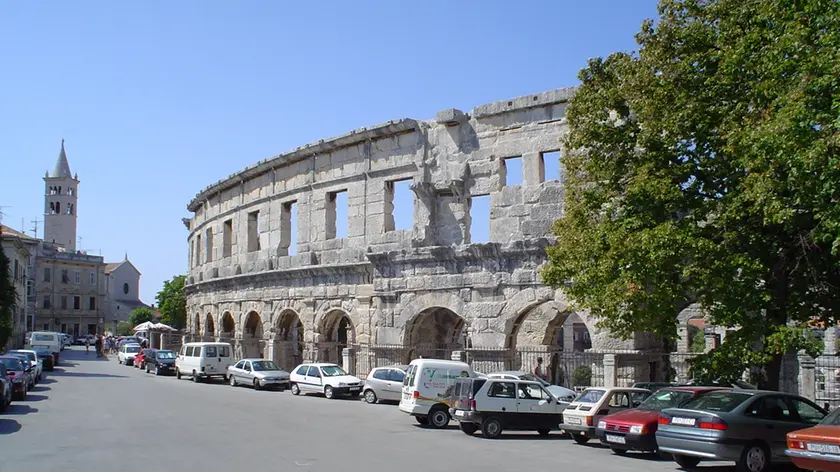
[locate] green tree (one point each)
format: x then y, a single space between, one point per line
139 315
124 328
705 167
697 339
8 299
172 303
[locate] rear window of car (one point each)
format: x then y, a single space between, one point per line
718 401
43 337
590 396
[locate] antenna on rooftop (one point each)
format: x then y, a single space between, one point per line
35 224
1 212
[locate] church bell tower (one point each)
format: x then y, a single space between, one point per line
60 198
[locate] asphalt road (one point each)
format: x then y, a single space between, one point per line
96 415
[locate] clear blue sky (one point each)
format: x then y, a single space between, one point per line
158 99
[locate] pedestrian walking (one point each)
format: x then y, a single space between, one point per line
539 370
87 344
98 346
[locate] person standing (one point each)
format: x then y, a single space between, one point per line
87 344
98 345
539 370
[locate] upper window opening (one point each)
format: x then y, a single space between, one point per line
513 170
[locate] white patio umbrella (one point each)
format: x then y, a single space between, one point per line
162 327
144 326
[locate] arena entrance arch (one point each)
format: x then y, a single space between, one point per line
337 333
210 326
434 333
288 340
252 336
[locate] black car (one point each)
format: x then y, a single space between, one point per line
49 359
161 361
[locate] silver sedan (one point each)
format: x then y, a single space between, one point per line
384 383
259 373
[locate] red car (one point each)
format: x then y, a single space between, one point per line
140 358
817 448
635 429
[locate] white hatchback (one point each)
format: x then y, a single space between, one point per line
329 379
127 353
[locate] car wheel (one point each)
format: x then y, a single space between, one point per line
147 368
438 417
328 392
157 370
686 462
754 458
424 420
618 451
295 389
370 396
257 384
195 377
491 428
177 373
231 381
544 432
468 428
580 438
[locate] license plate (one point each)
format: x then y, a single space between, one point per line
683 421
355 389
40 347
827 448
572 420
616 439
459 413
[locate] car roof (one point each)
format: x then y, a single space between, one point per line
9 357
131 344
253 359
395 366
319 364
696 389
508 372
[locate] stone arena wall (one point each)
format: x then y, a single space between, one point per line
429 289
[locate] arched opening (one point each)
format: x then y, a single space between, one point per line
209 326
288 340
435 333
561 339
252 333
337 333
197 325
228 325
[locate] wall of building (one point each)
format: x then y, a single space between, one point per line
18 255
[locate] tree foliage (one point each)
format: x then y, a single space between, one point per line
139 315
172 303
8 299
124 328
705 168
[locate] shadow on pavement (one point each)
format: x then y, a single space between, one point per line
46 381
87 374
9 426
39 388
35 398
18 409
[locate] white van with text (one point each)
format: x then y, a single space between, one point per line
204 360
427 389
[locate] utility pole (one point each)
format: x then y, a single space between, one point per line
35 224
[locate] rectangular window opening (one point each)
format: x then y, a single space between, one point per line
227 238
92 303
336 224
63 302
198 250
553 170
253 231
208 241
46 302
77 277
479 208
289 228
92 278
399 205
513 170
47 274
77 302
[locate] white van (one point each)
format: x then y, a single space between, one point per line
46 340
427 389
204 360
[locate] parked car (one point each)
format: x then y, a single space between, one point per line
260 373
36 362
818 447
5 388
428 400
161 361
748 427
635 429
127 353
581 417
140 358
653 386
329 379
204 360
47 358
384 383
561 393
66 340
47 340
30 370
495 404
16 372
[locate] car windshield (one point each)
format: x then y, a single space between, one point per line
590 396
534 378
332 371
717 401
29 355
165 355
132 349
833 418
43 337
12 364
267 365
666 399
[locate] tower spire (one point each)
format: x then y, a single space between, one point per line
62 167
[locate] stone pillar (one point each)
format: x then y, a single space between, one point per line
712 341
348 360
683 338
807 377
610 371
830 341
568 335
270 351
459 356
533 168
